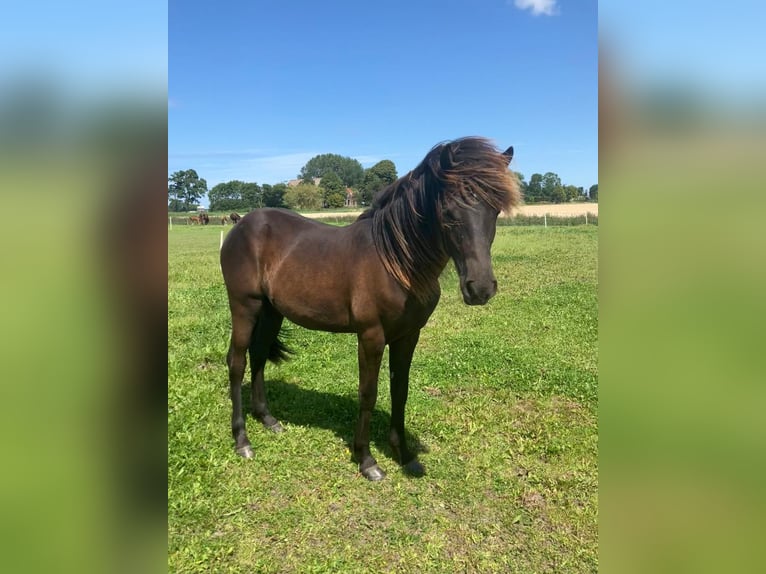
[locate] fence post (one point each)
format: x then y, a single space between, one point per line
586 218
545 219
170 219
220 246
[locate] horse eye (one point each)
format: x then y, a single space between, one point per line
449 217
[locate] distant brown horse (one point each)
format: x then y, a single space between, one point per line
224 220
204 218
193 220
234 216
378 278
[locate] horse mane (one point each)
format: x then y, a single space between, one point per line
407 215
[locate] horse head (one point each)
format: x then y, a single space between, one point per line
481 187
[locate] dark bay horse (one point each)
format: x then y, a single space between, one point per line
378 278
234 216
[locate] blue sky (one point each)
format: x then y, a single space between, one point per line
86 49
257 88
718 50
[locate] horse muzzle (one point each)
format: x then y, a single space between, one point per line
478 292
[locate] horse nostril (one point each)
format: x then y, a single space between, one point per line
479 293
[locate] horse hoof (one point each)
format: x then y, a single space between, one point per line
414 468
373 473
276 428
245 451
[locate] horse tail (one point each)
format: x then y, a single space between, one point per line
278 351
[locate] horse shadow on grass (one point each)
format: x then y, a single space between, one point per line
296 405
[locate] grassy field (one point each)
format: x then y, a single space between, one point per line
502 407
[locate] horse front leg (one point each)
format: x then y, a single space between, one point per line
370 350
400 359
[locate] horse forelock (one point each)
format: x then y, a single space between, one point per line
407 215
475 169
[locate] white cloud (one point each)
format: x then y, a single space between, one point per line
547 7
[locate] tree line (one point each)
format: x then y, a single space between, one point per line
332 181
547 188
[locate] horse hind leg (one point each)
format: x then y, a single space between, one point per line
264 346
243 321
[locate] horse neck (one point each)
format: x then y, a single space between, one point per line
413 252
436 243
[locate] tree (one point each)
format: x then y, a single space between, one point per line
522 184
552 189
535 188
593 192
385 170
333 190
235 195
227 196
252 196
558 195
303 196
185 190
349 170
376 178
177 205
370 186
274 195
571 192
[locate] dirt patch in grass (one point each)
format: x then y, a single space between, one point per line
558 209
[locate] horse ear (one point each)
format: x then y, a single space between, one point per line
509 154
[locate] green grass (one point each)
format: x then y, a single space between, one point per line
502 407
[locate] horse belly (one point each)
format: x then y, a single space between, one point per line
312 307
314 280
